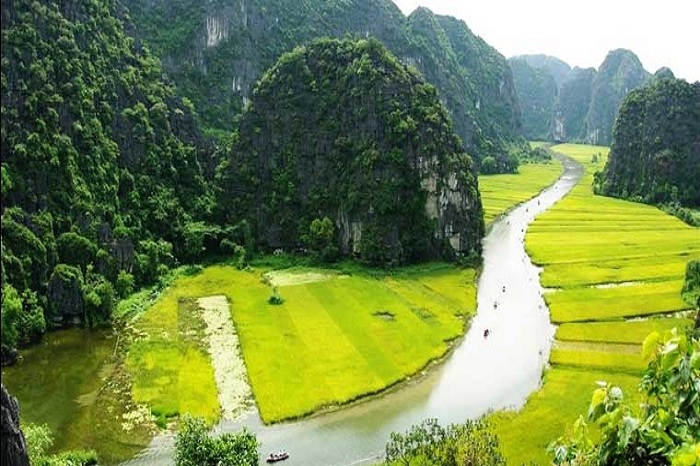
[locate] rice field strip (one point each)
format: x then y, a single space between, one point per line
612 273
234 391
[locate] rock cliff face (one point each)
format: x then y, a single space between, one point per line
342 129
574 100
14 447
620 73
655 156
538 91
215 51
579 105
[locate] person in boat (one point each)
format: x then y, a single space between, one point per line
495 304
486 333
504 288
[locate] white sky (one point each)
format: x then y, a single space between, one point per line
582 32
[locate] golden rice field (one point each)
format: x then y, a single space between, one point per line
606 264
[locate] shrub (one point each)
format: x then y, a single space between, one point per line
471 443
275 299
489 166
125 284
39 442
10 312
664 432
194 446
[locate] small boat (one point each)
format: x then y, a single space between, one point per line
486 333
275 457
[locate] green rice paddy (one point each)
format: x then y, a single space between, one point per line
605 261
332 340
499 193
551 412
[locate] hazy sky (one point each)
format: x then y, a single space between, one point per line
660 32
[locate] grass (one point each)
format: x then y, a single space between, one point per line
611 360
608 260
636 299
169 364
499 193
551 412
633 332
329 343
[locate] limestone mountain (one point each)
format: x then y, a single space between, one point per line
578 105
619 74
101 172
538 92
557 68
341 129
655 155
574 100
215 51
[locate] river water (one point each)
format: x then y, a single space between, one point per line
483 373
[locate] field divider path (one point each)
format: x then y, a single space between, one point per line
235 395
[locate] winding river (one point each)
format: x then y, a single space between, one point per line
480 375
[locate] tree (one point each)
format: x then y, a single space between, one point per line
666 431
489 166
429 443
321 239
194 446
74 249
10 312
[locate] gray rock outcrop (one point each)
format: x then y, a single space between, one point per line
14 447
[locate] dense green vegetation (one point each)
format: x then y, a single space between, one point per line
216 52
691 286
655 157
370 147
468 444
39 442
620 260
101 177
538 94
665 429
574 100
195 446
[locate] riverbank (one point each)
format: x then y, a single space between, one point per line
620 260
193 357
481 374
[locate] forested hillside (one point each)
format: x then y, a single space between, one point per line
101 165
538 92
579 105
107 181
619 74
574 100
216 51
343 148
655 155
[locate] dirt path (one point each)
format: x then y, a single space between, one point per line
229 370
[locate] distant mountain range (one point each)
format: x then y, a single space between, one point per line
215 52
575 104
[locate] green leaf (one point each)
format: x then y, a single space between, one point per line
629 425
649 346
689 455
